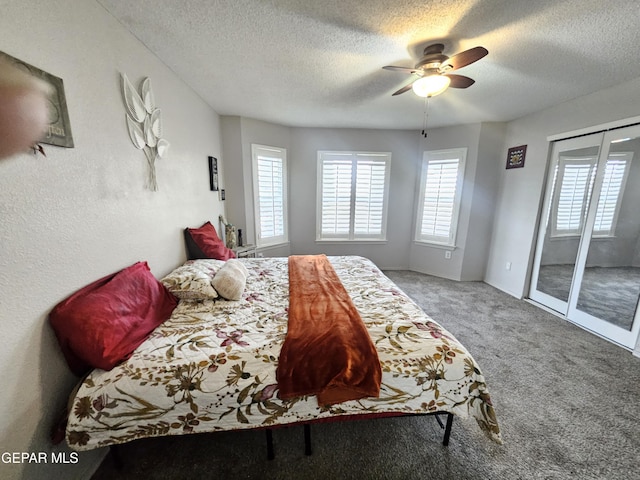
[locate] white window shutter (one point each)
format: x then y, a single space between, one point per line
576 177
269 167
440 193
615 175
370 197
352 195
575 190
336 197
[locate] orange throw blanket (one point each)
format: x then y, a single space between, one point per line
328 351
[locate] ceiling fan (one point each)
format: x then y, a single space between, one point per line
433 70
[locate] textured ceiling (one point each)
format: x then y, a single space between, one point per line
319 62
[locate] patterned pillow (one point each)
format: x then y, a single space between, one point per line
192 281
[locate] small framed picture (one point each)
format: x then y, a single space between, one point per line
515 156
213 174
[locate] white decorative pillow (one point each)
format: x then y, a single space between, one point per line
230 280
192 281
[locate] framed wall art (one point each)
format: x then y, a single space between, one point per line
213 174
59 129
516 156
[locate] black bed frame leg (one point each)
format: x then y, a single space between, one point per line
447 430
116 457
270 454
307 439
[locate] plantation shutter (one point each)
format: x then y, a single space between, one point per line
440 196
575 190
610 196
369 202
352 195
336 197
270 201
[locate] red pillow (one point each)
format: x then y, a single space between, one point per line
101 324
207 240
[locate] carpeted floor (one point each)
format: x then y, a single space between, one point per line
610 293
568 403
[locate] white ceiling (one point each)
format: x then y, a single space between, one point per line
318 63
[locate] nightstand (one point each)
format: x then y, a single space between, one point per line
245 251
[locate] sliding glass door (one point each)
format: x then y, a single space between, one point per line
587 264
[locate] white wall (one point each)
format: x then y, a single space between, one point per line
514 229
515 226
232 155
303 169
238 134
485 189
484 144
82 213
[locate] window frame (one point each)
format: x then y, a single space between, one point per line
559 233
257 151
564 161
433 156
354 157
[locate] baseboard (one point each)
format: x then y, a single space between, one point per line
508 292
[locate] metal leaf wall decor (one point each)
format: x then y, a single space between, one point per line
144 124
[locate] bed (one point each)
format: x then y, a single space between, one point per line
212 365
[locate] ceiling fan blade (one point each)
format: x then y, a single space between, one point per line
463 59
460 81
400 69
406 88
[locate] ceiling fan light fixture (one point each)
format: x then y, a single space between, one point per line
431 85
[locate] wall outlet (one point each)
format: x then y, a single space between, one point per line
447 254
508 266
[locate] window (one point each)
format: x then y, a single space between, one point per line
352 195
440 193
270 194
576 177
613 183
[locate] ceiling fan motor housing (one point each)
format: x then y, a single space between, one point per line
432 57
433 60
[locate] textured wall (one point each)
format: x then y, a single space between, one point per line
82 213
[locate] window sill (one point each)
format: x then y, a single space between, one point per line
558 238
443 246
272 245
555 238
352 242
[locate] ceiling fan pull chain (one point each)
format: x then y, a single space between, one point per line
426 117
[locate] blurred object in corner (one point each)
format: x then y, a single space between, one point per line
24 114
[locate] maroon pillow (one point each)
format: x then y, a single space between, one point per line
207 240
101 324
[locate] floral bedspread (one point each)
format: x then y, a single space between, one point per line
212 365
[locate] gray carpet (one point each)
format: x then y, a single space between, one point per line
567 401
609 293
